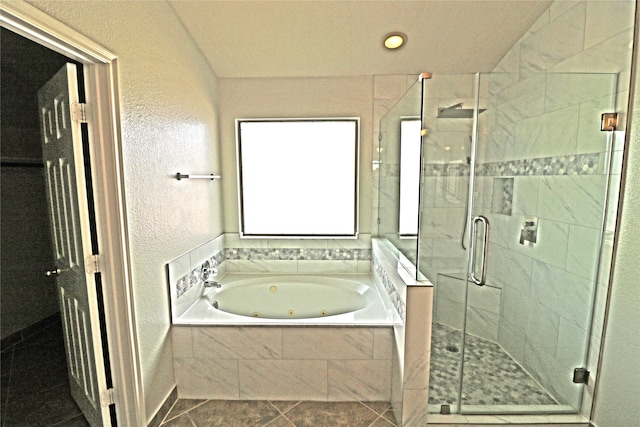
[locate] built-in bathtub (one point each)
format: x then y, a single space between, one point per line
285 337
268 299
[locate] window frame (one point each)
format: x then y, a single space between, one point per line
356 180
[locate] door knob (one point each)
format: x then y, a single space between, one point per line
52 272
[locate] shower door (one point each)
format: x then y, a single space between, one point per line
515 192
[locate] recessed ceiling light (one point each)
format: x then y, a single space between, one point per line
394 40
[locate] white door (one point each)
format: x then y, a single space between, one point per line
70 225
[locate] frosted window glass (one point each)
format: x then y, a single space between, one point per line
298 177
410 141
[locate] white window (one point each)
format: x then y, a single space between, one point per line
410 141
298 177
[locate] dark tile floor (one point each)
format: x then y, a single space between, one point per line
212 413
34 383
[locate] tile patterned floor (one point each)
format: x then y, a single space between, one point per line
35 387
35 390
492 377
212 413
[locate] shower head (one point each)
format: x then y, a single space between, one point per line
457 112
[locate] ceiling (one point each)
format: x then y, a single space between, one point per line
344 38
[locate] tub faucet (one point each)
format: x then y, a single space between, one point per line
212 284
208 277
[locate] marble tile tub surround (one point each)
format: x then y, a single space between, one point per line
283 363
185 274
412 302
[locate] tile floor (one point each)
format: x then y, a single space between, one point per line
35 390
35 386
212 413
492 377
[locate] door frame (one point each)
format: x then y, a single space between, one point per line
101 85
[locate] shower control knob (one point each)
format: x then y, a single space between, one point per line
52 272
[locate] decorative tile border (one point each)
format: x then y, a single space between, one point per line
296 254
579 164
394 296
194 277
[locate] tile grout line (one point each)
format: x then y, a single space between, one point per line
281 413
166 420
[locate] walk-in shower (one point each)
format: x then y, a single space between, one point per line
513 301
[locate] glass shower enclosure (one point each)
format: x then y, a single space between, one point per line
512 193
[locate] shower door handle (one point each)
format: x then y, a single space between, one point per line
485 247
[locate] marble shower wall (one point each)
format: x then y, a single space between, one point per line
557 168
544 113
541 154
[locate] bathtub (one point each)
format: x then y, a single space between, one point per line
289 299
285 337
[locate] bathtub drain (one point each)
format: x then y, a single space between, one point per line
291 312
452 348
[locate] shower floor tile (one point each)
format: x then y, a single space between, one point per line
492 377
201 413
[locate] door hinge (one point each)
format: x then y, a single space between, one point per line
581 376
92 264
79 112
106 398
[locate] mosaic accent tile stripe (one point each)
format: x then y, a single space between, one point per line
295 254
194 277
394 296
579 164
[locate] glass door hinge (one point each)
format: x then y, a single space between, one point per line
609 122
581 376
106 398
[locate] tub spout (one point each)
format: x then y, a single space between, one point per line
212 284
208 276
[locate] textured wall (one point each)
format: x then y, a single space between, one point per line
169 125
